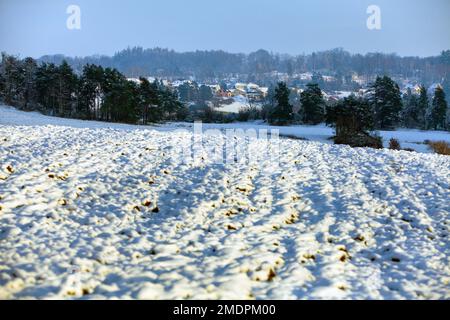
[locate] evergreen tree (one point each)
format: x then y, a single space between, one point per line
269 103
121 102
188 92
410 113
172 108
90 92
2 84
350 116
446 84
312 104
439 110
66 90
353 119
422 107
270 99
46 87
100 94
13 78
115 91
386 102
29 91
149 102
282 112
205 93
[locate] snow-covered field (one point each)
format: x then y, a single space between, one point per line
414 139
93 210
239 102
408 138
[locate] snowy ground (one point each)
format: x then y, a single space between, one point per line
93 210
408 138
413 139
239 102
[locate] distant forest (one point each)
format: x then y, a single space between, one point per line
213 65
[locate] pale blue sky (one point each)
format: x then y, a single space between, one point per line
409 27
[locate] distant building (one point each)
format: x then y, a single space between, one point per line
241 86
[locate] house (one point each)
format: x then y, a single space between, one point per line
241 86
239 92
224 93
254 94
215 88
307 76
359 80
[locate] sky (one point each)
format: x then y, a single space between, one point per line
408 27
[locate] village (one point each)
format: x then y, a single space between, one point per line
231 94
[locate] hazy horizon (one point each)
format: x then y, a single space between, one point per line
37 28
246 53
210 50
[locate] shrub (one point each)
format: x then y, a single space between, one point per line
353 119
440 147
394 144
248 113
360 140
244 115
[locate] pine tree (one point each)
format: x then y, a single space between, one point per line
353 119
439 110
29 91
172 108
188 92
312 104
269 103
2 84
282 112
386 102
101 94
121 102
446 84
205 93
13 78
410 113
422 107
46 87
350 116
90 92
115 92
149 102
18 81
67 87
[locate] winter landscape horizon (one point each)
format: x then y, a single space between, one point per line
217 170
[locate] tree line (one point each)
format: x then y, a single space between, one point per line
382 107
209 65
105 94
94 93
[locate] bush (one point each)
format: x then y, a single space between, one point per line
394 144
243 115
440 147
360 140
249 113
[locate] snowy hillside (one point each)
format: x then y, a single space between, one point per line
408 138
93 210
